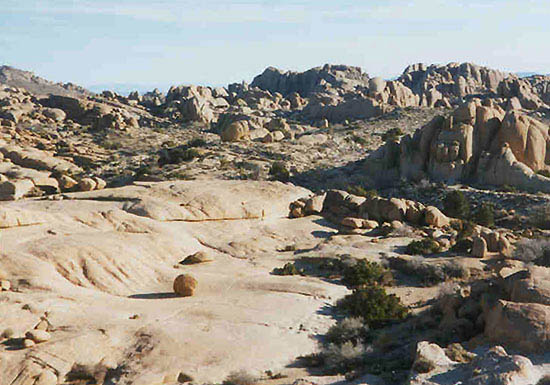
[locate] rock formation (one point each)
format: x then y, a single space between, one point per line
479 142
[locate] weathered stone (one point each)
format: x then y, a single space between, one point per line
434 217
479 248
185 285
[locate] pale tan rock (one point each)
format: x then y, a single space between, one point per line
235 131
5 285
100 183
354 223
530 286
479 248
370 224
87 184
14 217
185 285
47 377
524 326
28 343
314 205
436 218
66 182
13 190
429 357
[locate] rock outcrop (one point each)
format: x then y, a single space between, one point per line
318 79
479 142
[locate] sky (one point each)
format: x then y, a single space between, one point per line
217 42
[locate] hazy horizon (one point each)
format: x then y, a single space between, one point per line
159 43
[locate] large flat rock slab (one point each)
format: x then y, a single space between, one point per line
202 200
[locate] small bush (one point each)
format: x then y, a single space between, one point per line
287 269
359 140
374 305
533 250
485 215
350 329
392 135
365 273
279 172
361 191
343 358
197 142
545 173
463 245
240 377
429 274
541 217
423 247
456 205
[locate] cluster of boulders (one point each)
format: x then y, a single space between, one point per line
28 172
444 84
368 213
19 108
480 142
494 366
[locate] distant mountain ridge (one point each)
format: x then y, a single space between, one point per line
15 77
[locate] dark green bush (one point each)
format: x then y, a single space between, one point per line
423 247
197 142
365 273
463 245
279 172
374 305
485 215
456 205
287 269
359 140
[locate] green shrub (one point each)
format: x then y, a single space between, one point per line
545 173
374 305
279 172
423 247
365 273
485 215
287 269
456 205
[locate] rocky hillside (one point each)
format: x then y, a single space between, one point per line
14 77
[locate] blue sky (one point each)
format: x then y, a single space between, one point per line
215 42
